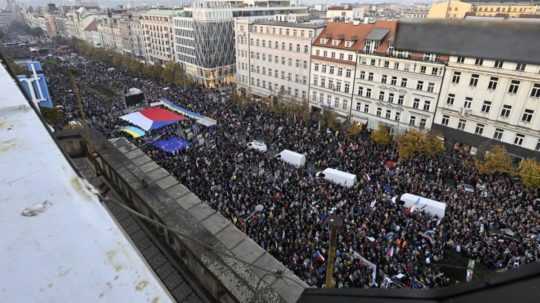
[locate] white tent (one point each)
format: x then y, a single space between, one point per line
432 207
338 177
293 158
257 145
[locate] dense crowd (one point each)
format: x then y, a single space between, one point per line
497 224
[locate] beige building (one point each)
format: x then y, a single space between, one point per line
506 9
273 57
491 87
158 30
457 9
449 9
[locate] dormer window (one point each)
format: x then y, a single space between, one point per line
324 40
335 42
370 46
349 43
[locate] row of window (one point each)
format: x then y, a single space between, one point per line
331 84
276 59
334 55
513 88
332 70
275 87
276 45
423 69
520 67
526 117
330 101
280 31
393 81
364 107
479 130
263 70
366 93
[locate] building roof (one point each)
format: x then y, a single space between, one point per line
357 33
511 41
59 243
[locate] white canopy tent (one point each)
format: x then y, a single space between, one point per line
432 207
258 145
293 158
338 177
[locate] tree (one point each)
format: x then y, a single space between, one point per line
496 160
15 68
329 120
414 142
381 135
432 145
354 129
53 116
529 171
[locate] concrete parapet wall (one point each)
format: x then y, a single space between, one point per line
230 265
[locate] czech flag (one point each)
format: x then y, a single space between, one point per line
152 118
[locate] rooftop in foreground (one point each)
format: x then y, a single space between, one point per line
59 243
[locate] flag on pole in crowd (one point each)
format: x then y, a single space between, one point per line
390 252
317 256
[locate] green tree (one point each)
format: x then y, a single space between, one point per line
381 135
529 171
496 160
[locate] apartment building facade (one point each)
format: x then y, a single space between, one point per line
334 59
158 32
273 57
396 89
491 88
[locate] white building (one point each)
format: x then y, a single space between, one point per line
273 57
334 58
491 88
157 25
345 13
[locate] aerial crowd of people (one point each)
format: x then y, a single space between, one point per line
286 209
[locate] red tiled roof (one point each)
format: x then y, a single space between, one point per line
359 32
